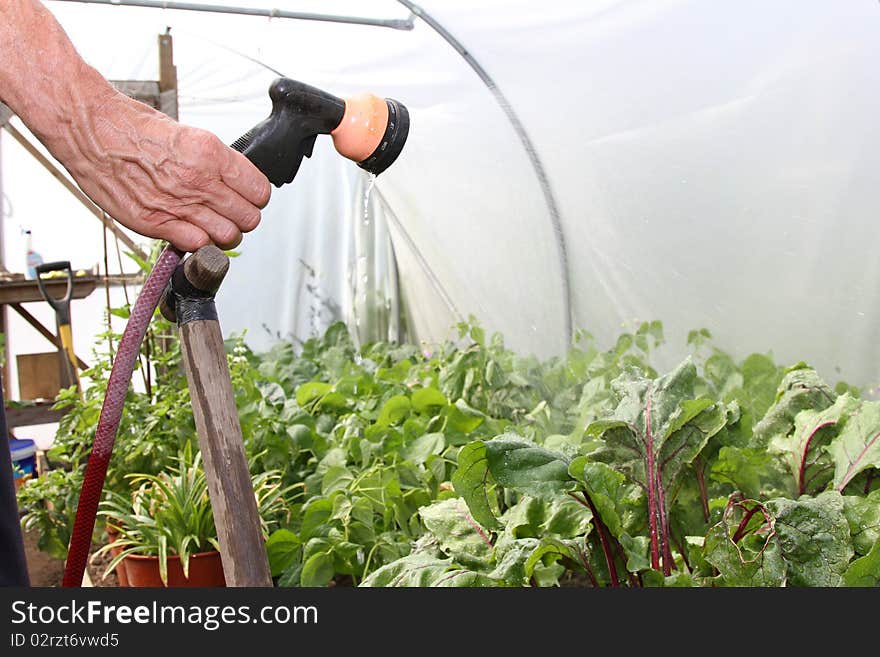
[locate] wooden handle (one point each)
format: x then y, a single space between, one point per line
206 268
236 515
229 481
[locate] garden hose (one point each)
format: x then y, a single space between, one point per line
369 130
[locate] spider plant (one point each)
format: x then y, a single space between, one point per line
170 513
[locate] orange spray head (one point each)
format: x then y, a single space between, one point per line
365 128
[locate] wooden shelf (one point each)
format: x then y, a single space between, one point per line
25 291
40 412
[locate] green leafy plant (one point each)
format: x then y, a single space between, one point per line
170 513
635 475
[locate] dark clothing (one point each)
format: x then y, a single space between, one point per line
13 567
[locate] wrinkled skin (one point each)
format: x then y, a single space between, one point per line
153 175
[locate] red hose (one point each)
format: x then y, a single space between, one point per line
111 413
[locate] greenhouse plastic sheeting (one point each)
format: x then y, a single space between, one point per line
707 164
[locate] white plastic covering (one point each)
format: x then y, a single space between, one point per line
708 164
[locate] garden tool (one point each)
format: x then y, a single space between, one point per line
61 306
366 129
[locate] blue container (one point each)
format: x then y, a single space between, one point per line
24 455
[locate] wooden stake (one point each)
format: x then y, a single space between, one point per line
236 515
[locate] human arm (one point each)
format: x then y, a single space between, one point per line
159 178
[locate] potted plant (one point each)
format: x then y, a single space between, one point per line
163 533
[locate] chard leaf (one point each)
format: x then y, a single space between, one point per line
863 516
699 421
457 533
636 549
814 538
857 447
525 467
657 429
567 518
657 419
743 467
424 569
745 551
864 571
605 486
543 567
655 579
802 448
801 389
513 558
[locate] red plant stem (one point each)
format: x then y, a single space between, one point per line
473 523
701 482
590 574
665 547
683 556
802 484
652 493
741 530
603 539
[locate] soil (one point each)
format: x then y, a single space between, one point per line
97 566
44 571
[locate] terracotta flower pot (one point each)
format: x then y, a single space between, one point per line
205 569
121 574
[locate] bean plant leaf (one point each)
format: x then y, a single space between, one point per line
394 411
462 418
311 391
471 480
814 538
317 570
424 446
426 399
282 549
857 447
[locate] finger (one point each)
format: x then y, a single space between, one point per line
184 235
245 178
222 232
230 204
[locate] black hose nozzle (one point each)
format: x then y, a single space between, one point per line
369 130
